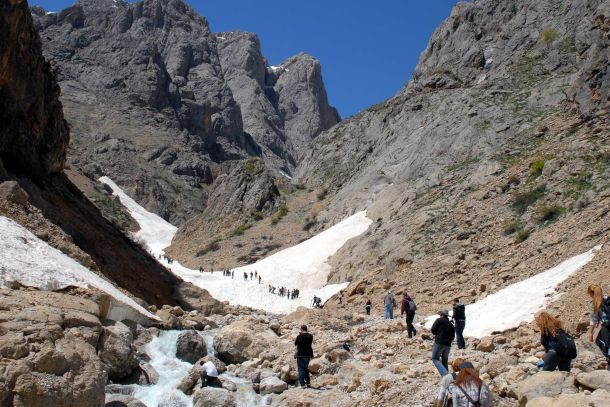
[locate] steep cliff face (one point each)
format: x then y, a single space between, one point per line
33 133
33 144
502 90
163 106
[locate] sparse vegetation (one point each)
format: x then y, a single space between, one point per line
523 199
567 45
483 125
322 194
537 166
279 214
522 235
544 213
510 226
447 73
549 35
299 186
213 246
257 215
239 230
309 223
249 166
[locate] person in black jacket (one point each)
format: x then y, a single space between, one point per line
550 328
444 332
303 354
459 319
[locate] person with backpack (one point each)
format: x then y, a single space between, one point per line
459 320
368 307
469 390
408 306
599 316
559 346
389 303
303 354
444 332
444 395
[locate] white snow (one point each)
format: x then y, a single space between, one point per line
276 68
32 262
303 266
519 302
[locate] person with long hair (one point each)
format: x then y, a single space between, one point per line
447 383
469 390
598 317
550 329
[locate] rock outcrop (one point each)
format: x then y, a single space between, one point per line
190 346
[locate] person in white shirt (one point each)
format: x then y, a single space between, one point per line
209 375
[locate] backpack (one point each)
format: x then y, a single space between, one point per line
412 306
459 312
565 345
604 312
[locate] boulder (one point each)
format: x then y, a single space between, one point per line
117 352
599 398
213 397
272 385
121 400
11 191
597 379
190 346
338 355
244 340
144 374
543 384
486 344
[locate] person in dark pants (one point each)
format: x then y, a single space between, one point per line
444 332
550 328
408 307
459 320
368 307
599 316
304 353
209 375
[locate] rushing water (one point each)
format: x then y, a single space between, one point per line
162 352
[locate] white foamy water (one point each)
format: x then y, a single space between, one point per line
304 266
519 302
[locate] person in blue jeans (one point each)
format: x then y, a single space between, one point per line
303 354
389 303
444 332
459 319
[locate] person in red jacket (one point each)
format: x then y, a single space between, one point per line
407 306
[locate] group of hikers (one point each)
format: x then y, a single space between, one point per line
463 386
253 276
284 292
168 259
228 273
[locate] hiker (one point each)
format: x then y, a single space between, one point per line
559 346
444 332
459 320
251 275
368 307
340 297
447 381
389 303
346 345
599 316
303 354
245 276
259 279
469 390
209 375
232 274
407 306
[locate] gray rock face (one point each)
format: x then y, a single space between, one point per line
163 106
272 384
116 351
213 397
190 346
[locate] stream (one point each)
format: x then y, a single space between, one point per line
162 352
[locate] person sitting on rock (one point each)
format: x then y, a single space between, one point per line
469 390
444 332
552 335
209 375
303 354
447 381
599 316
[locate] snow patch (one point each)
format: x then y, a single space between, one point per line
278 68
519 302
32 262
304 266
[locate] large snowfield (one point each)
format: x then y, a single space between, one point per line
26 259
519 302
303 266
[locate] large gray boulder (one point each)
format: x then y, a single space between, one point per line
213 397
117 352
597 379
271 385
190 346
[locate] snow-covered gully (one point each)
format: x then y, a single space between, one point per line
303 266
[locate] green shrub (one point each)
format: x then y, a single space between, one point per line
537 166
249 166
257 215
549 35
210 247
279 214
239 230
523 199
322 194
546 213
510 226
522 235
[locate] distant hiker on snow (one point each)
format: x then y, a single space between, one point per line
559 346
599 316
303 354
469 390
389 303
444 332
317 302
407 306
459 319
447 381
368 307
209 375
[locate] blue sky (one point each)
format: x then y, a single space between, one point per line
368 49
